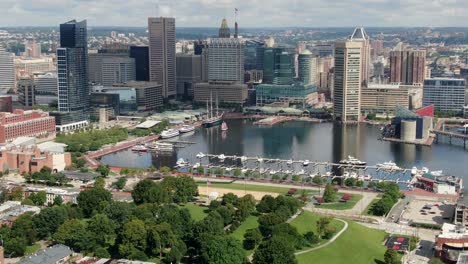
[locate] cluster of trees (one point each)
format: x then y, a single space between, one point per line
153 130
275 239
131 171
45 176
170 190
93 139
329 194
104 170
351 182
389 198
391 257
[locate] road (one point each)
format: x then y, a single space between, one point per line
398 209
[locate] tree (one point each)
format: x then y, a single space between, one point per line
91 200
274 251
230 198
58 200
182 189
267 204
329 193
103 169
223 250
24 227
118 212
99 182
252 238
391 257
322 225
164 169
318 180
176 253
15 247
38 198
134 238
102 230
311 238
48 220
15 194
73 233
120 183
350 182
267 222
141 190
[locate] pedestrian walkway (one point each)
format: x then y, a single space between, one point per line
328 242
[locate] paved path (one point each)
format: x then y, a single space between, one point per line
328 242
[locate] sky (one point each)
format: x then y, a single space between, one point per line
252 13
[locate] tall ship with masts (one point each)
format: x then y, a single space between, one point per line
213 118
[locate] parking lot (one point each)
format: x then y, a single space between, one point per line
428 212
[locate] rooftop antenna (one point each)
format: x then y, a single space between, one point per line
235 23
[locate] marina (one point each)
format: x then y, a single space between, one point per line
304 141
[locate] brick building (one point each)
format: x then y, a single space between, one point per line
34 123
30 159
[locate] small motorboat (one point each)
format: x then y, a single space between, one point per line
243 159
306 163
181 162
139 148
196 165
186 129
200 155
221 157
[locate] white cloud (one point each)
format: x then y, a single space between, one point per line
252 13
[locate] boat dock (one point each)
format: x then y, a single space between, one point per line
270 121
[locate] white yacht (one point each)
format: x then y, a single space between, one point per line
186 129
414 171
353 161
306 163
389 165
200 155
139 148
169 133
181 162
260 160
243 159
221 157
196 165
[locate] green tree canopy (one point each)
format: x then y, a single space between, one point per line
274 251
91 200
223 250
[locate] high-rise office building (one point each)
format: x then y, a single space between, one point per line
347 81
307 66
141 56
224 31
407 66
7 71
446 94
72 65
162 53
226 60
253 55
360 36
278 66
189 72
111 68
26 92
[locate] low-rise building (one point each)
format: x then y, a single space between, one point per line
451 242
446 94
10 210
31 158
34 123
286 95
52 193
57 254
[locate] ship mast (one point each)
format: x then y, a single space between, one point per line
217 105
211 104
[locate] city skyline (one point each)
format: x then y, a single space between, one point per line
208 13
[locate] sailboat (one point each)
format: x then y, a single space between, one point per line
213 118
224 126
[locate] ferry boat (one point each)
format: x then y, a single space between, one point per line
186 129
212 118
388 166
353 161
169 133
139 148
224 126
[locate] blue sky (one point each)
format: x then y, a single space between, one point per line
252 13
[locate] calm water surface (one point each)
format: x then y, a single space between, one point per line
303 140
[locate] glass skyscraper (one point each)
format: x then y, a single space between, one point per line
278 66
72 60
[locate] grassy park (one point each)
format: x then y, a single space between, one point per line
358 244
197 212
247 187
337 205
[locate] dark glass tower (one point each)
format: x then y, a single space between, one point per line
141 56
278 66
72 63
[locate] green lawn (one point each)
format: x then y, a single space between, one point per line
358 244
197 212
248 187
249 223
32 249
337 205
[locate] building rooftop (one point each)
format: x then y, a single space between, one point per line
148 124
359 34
49 255
52 147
